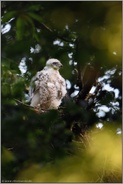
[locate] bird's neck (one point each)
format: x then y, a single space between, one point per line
50 69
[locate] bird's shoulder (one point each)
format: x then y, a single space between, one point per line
47 76
40 75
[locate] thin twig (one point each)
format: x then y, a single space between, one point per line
32 108
52 31
23 103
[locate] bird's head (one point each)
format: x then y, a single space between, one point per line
54 63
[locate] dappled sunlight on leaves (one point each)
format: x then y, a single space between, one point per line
109 36
102 156
108 146
7 156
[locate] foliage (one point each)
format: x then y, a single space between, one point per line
57 145
95 163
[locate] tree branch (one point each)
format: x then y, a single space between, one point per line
44 26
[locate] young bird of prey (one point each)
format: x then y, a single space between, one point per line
48 87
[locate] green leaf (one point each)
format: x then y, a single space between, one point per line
17 88
8 16
6 90
35 17
7 156
34 7
19 28
19 48
29 20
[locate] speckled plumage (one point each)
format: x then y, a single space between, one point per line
48 87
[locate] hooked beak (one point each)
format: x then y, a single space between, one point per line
60 65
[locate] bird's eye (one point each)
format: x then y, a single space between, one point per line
55 63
